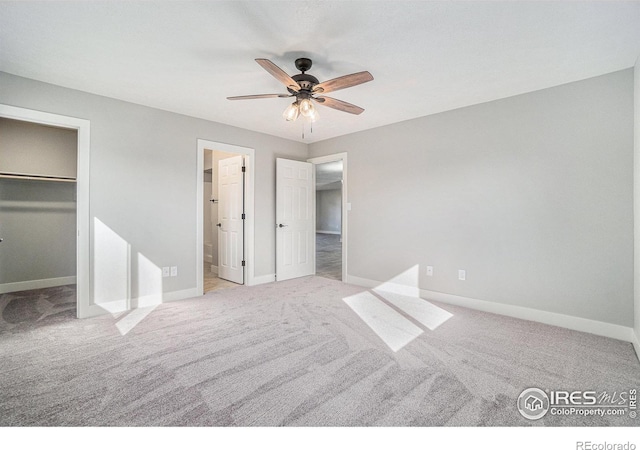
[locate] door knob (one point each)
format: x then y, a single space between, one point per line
219 225
282 225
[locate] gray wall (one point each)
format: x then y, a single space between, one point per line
143 175
531 195
329 210
30 148
38 225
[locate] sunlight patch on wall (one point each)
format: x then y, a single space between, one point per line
122 282
149 282
112 261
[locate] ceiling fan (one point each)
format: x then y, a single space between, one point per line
305 88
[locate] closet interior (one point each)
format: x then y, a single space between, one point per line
38 166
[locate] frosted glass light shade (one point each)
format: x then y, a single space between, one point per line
291 113
306 108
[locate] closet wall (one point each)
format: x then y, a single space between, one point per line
37 217
329 211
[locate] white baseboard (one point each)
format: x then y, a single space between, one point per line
214 269
636 342
550 318
263 279
36 284
119 306
327 232
180 295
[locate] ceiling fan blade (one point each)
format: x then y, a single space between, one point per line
248 97
343 82
339 105
279 74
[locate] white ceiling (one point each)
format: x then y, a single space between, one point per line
426 57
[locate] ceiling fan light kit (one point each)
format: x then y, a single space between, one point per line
305 88
291 113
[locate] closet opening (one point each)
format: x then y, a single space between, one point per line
38 217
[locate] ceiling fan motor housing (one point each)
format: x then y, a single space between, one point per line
306 82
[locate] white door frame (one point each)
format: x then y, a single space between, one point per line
331 158
83 221
249 209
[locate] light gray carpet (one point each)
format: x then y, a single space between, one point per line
294 353
329 256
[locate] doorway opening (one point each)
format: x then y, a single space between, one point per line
225 222
331 215
223 248
45 213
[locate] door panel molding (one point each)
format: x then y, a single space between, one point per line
295 219
230 211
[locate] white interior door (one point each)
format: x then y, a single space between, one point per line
295 217
230 219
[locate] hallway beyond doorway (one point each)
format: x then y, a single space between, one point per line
328 256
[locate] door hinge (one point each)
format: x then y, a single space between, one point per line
243 263
243 216
244 169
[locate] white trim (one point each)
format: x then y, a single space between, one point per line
330 158
249 208
550 318
264 279
635 340
83 221
180 295
327 232
123 305
214 269
36 284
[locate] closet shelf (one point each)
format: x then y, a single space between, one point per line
20 176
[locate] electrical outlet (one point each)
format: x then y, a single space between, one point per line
174 271
462 275
166 272
429 271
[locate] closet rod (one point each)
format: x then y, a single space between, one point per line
15 176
